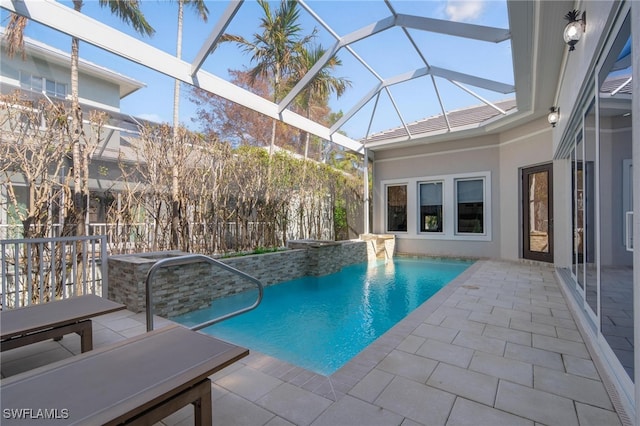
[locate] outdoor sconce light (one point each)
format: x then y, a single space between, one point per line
574 29
554 115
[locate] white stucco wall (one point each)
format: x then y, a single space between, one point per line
523 147
99 93
503 155
471 156
576 85
562 225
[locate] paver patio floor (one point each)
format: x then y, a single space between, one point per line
497 346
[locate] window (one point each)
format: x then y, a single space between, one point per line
56 89
41 84
455 207
470 206
31 82
397 208
431 207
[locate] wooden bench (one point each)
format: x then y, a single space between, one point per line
52 320
139 381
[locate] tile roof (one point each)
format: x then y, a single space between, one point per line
473 116
615 83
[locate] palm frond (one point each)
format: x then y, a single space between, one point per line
14 35
200 8
130 13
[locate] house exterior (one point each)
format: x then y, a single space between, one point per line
524 190
511 185
43 72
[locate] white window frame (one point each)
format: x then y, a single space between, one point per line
44 81
449 207
57 85
385 206
484 205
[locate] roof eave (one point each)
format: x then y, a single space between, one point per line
126 84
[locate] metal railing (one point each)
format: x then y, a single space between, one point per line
37 270
196 258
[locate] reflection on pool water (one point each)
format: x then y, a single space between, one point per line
320 323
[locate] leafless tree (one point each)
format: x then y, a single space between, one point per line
35 157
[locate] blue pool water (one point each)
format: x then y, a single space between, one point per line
320 323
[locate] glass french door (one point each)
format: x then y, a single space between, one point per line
616 193
577 210
537 213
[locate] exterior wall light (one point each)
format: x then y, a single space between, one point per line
553 116
575 28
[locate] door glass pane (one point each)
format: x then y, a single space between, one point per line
591 277
578 228
539 212
574 244
616 191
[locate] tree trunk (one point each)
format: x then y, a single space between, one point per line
77 155
175 193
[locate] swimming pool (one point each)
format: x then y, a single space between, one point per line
320 323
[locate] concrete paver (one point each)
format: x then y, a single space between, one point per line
542 407
594 416
465 383
445 352
233 409
575 387
503 368
580 367
497 346
534 356
350 411
249 383
411 366
420 403
296 405
469 413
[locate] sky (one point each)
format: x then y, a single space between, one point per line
389 53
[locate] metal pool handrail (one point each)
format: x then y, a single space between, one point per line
195 258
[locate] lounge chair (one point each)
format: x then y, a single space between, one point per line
140 380
35 323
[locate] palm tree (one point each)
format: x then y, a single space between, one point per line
316 93
127 10
275 50
202 11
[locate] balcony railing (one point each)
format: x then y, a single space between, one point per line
37 270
